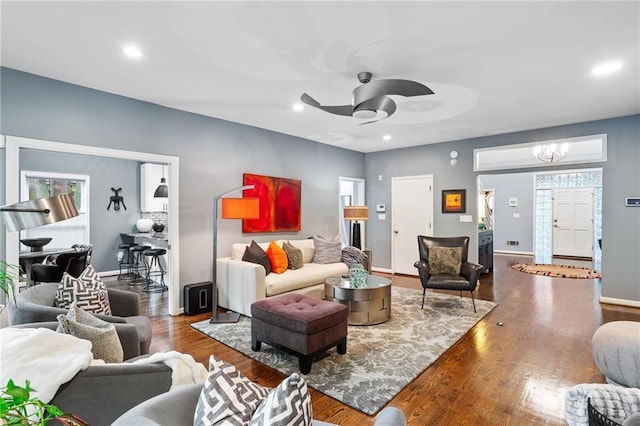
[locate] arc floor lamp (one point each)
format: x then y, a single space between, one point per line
34 213
231 208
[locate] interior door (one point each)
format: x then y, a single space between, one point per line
412 215
573 222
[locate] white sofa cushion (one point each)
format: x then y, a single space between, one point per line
310 274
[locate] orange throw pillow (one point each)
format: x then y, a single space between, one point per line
277 257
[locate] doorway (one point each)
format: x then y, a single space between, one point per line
13 145
351 194
546 184
412 215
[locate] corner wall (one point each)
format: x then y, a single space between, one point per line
213 156
621 178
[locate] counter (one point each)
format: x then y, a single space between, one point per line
157 237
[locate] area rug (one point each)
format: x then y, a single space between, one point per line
381 359
561 271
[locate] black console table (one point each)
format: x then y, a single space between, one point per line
485 249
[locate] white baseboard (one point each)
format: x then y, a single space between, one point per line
518 253
383 270
620 302
108 273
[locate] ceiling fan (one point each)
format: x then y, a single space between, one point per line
370 100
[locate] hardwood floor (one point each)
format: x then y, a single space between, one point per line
513 367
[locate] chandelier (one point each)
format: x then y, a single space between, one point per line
551 153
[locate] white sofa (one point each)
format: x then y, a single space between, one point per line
242 283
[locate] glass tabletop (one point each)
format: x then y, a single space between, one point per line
373 281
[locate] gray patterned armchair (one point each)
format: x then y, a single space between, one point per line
37 304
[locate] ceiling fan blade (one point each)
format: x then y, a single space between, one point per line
377 88
333 109
380 103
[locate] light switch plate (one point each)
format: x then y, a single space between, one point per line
382 216
466 218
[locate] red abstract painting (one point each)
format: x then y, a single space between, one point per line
280 204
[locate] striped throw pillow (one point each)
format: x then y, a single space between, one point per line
326 251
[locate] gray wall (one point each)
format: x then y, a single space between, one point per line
505 226
621 178
104 173
213 155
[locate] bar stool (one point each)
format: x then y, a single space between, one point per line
154 254
126 242
138 263
125 261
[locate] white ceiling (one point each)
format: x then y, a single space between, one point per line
495 67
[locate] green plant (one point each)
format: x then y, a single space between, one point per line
18 407
8 276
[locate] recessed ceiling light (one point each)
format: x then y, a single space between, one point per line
297 107
606 68
386 137
132 51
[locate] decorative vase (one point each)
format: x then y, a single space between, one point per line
158 227
358 276
144 225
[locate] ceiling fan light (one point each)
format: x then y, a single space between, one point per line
365 114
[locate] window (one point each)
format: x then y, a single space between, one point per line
34 184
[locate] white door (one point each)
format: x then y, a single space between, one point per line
412 215
573 222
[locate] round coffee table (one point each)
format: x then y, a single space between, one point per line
369 304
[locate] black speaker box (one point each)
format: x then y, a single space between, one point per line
197 298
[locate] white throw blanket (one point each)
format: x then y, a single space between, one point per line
46 358
185 370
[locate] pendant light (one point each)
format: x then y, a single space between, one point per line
162 191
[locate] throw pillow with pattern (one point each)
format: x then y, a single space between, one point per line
352 255
294 255
445 260
227 396
326 250
87 290
105 343
254 254
289 404
277 258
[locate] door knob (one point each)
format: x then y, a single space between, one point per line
395 232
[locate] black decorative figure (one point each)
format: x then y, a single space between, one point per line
116 200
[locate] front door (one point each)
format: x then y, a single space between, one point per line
573 222
412 215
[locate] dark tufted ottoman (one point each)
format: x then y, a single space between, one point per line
300 325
